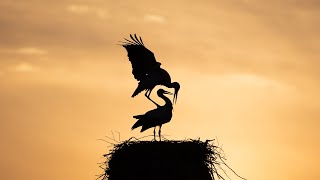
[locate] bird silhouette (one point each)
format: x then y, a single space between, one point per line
156 117
146 69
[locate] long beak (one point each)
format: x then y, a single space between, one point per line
175 97
167 92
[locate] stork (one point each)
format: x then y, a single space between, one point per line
156 117
146 69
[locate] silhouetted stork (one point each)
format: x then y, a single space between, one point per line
146 69
156 117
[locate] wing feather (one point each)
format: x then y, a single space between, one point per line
141 41
135 36
130 42
137 42
142 59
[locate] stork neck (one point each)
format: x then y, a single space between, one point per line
166 99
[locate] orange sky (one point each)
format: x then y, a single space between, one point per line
248 69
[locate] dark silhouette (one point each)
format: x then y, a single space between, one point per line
165 160
161 160
156 117
146 69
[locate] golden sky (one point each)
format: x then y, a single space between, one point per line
248 69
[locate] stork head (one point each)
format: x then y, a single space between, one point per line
161 92
176 87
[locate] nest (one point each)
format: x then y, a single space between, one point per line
164 160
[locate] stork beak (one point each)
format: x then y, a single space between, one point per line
167 92
175 97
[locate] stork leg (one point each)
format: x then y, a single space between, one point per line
147 94
160 132
154 133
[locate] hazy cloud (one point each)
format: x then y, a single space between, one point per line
85 9
80 9
252 80
31 51
154 18
24 67
24 51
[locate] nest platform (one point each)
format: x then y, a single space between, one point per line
163 160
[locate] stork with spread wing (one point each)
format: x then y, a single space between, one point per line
146 69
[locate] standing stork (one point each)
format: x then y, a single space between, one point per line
146 69
156 117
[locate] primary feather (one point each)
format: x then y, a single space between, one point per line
142 59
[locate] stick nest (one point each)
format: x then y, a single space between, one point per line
164 160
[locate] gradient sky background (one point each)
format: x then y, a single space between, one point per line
249 71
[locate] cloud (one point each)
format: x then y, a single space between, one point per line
85 9
102 13
24 67
24 51
252 80
154 18
31 51
79 9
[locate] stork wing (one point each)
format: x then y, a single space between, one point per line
142 59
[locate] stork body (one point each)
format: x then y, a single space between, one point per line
149 82
146 69
156 117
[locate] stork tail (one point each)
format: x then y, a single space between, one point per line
139 122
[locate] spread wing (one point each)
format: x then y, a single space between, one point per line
142 59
